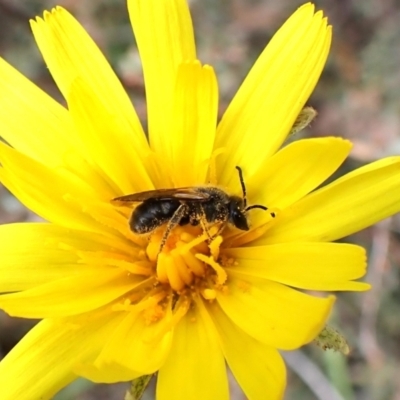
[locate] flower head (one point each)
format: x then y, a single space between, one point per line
117 305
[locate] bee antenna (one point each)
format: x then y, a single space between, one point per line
245 195
273 215
243 186
256 206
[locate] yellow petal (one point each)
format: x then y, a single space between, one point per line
192 126
137 345
70 53
71 295
263 111
41 363
27 113
195 368
34 254
273 313
347 205
106 373
263 374
312 266
107 136
293 172
42 347
164 35
39 188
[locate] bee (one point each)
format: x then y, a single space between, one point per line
188 205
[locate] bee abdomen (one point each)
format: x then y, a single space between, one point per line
151 214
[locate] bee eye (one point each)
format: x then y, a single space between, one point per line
237 215
238 218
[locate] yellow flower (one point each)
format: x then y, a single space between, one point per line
114 309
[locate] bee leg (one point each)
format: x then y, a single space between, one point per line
172 223
201 217
219 231
204 226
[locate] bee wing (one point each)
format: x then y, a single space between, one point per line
185 193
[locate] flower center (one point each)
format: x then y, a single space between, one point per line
170 282
188 261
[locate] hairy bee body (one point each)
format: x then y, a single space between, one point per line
152 213
187 205
210 203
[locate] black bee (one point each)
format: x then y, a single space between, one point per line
187 205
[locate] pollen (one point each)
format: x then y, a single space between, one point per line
188 263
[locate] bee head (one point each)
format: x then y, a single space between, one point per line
238 207
237 214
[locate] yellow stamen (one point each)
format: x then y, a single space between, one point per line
150 300
187 265
180 310
142 255
192 262
221 273
174 278
153 314
187 237
152 250
162 275
186 247
209 294
184 272
215 246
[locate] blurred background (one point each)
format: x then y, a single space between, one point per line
358 97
